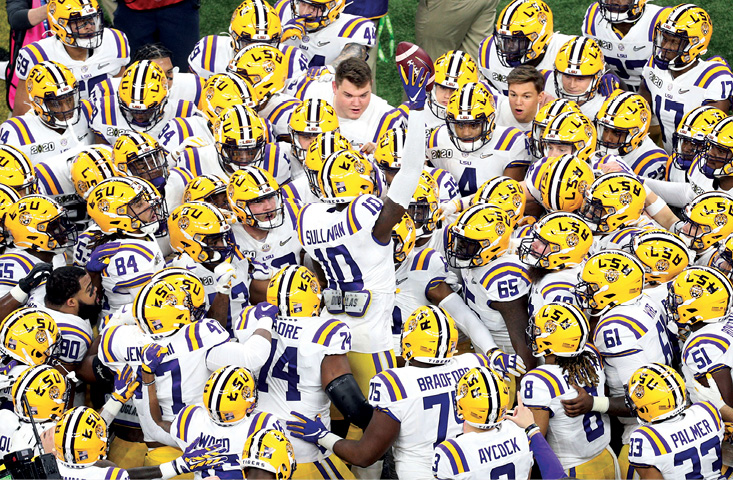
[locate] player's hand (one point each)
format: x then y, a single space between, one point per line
521 415
152 357
579 405
711 393
7 380
99 258
414 82
505 363
196 457
368 148
266 314
446 209
293 29
306 429
38 274
125 384
224 274
608 84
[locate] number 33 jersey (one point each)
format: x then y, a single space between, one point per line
422 400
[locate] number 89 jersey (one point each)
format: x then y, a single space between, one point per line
545 387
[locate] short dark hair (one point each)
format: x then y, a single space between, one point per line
63 284
355 70
526 74
152 51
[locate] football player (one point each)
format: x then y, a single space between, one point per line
16 172
309 119
523 36
544 115
452 70
80 41
559 333
701 227
689 139
56 123
613 201
625 33
268 454
412 411
657 395
471 147
676 79
559 183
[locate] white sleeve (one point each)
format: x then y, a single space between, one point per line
151 430
405 181
467 321
676 194
252 354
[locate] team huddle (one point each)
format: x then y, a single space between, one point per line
261 269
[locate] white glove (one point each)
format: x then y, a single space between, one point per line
449 208
711 393
224 273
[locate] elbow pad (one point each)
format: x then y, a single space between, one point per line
345 393
101 372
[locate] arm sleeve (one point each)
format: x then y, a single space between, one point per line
252 354
18 14
151 430
550 466
674 193
467 321
404 183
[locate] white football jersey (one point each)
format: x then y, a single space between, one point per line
447 185
9 423
706 351
422 400
648 160
15 264
40 143
194 423
625 55
213 53
7 379
178 130
291 379
685 446
495 72
555 286
506 149
76 335
500 452
277 111
92 472
354 261
107 60
24 437
545 387
708 81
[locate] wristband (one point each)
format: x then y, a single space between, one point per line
600 404
112 406
18 294
531 430
265 323
329 440
152 382
168 470
656 206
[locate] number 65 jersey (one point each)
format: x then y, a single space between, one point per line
685 446
422 400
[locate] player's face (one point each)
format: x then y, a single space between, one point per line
722 263
219 200
264 209
716 157
167 66
442 94
576 85
613 137
557 149
524 101
87 294
143 210
310 10
63 107
84 26
305 139
670 46
468 130
258 474
350 101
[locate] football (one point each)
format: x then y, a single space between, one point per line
410 54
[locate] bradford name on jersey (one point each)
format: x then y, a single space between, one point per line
422 400
685 446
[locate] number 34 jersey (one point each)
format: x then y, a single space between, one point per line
686 446
422 400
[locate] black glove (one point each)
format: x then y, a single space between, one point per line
37 275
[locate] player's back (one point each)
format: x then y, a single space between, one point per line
423 401
685 446
555 286
497 453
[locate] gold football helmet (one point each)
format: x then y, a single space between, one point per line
240 137
225 90
429 335
76 23
558 328
656 392
344 176
143 95
663 254
573 130
681 36
504 192
230 395
80 437
478 236
403 239
622 123
689 139
706 220
271 451
613 201
54 94
29 336
390 149
317 14
699 294
564 182
453 69
322 147
296 292
482 398
38 223
252 186
254 21
92 165
161 309
45 390
264 67
140 155
208 188
202 231
523 30
626 12
557 241
579 57
546 113
716 158
127 205
470 117
8 197
185 279
607 279
16 171
722 259
310 118
424 206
